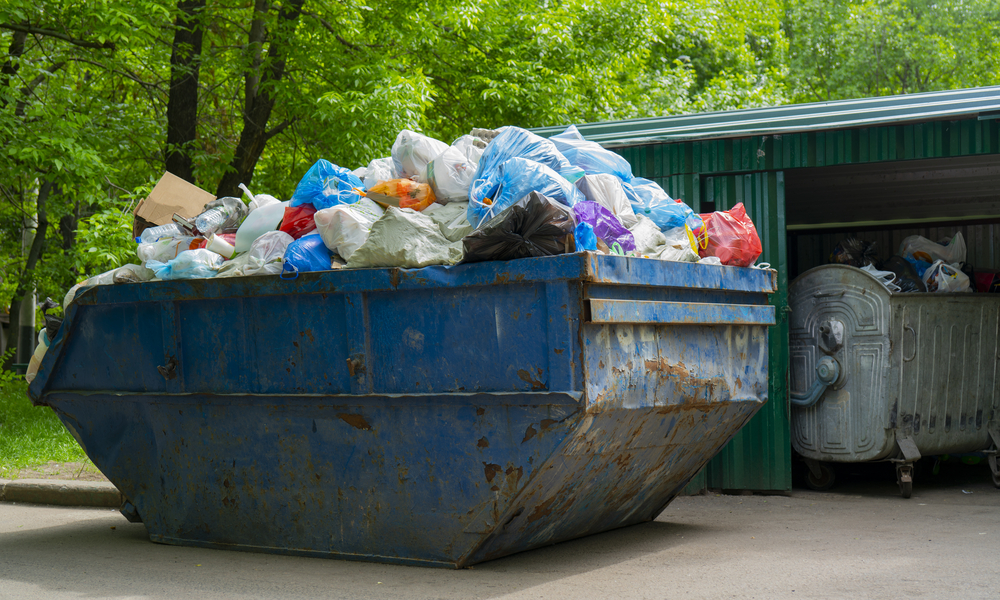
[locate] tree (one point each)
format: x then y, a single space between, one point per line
862 48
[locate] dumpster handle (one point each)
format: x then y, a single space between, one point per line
827 372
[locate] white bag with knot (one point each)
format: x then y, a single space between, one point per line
411 153
345 227
450 175
921 248
942 277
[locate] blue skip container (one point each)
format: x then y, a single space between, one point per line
441 416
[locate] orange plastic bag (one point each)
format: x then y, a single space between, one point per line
731 237
404 193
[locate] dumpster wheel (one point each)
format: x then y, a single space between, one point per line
821 481
904 477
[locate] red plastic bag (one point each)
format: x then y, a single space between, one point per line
298 220
731 237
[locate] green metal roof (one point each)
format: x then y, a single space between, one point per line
983 103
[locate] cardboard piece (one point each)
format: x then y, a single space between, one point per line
170 195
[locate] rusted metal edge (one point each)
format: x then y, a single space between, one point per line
683 313
546 398
625 270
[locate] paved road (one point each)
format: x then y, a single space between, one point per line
862 541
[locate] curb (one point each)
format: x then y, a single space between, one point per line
60 492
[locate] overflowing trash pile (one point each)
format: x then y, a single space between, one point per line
491 195
920 266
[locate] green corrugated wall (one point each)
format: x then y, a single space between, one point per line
751 170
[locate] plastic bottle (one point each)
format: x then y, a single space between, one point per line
211 220
258 222
170 230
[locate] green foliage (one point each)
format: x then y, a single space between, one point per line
861 48
31 435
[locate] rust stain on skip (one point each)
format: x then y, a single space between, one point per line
526 376
666 369
483 442
541 510
356 421
491 471
528 433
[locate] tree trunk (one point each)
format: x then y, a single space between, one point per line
259 96
10 66
182 102
26 278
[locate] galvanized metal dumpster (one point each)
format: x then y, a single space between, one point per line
438 416
899 375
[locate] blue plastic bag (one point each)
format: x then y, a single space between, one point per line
189 264
325 185
590 156
514 142
308 253
649 199
512 181
605 224
585 238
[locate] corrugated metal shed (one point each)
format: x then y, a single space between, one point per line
809 175
982 103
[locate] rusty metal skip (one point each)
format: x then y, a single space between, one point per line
440 416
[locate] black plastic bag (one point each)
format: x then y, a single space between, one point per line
906 275
855 253
52 322
535 225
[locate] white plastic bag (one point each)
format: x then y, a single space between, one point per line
920 248
163 250
886 278
469 148
607 191
647 236
132 274
450 175
106 278
405 238
412 152
190 264
942 277
344 227
380 169
678 246
451 219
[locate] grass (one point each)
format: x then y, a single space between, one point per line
31 436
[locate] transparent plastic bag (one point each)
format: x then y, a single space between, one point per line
344 228
732 237
514 142
472 152
590 156
166 249
679 247
190 264
450 174
325 185
404 193
411 152
379 170
922 252
942 277
650 200
512 181
607 190
648 236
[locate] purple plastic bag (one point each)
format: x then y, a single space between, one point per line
606 225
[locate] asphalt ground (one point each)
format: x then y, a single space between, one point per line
859 540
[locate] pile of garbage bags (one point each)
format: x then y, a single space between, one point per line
491 195
920 266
